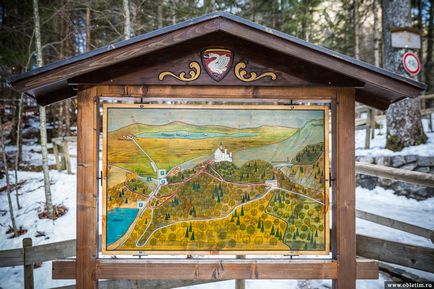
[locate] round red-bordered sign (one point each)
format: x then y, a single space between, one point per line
411 63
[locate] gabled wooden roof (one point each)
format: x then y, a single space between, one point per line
374 86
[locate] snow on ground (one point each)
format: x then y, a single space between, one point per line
378 201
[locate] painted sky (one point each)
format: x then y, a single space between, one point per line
120 117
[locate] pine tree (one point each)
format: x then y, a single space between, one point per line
186 233
191 228
232 219
192 236
238 221
262 227
272 231
259 223
242 211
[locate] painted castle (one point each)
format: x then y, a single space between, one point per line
221 154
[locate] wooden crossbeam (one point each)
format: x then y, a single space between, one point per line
209 269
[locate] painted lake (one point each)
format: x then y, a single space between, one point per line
191 135
118 222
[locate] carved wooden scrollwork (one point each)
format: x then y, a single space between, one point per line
242 74
194 73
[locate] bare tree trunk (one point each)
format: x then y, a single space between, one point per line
17 155
8 187
160 15
377 35
67 102
404 125
420 27
127 23
429 64
42 118
356 29
88 28
273 14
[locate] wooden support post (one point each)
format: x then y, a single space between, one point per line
28 269
372 114
343 196
67 157
57 157
240 283
368 129
87 188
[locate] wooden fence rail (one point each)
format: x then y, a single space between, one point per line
417 257
395 224
407 176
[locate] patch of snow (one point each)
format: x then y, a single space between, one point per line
379 142
383 202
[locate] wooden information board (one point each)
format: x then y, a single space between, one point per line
207 179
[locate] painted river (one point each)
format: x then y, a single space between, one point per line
191 135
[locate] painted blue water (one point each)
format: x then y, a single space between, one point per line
191 135
118 222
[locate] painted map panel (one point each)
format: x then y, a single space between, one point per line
208 179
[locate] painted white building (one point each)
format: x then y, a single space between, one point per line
221 154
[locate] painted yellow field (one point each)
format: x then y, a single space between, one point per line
250 230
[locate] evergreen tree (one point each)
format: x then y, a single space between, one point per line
238 221
262 227
242 211
186 233
192 236
259 223
272 231
191 228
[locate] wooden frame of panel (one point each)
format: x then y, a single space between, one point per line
325 110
